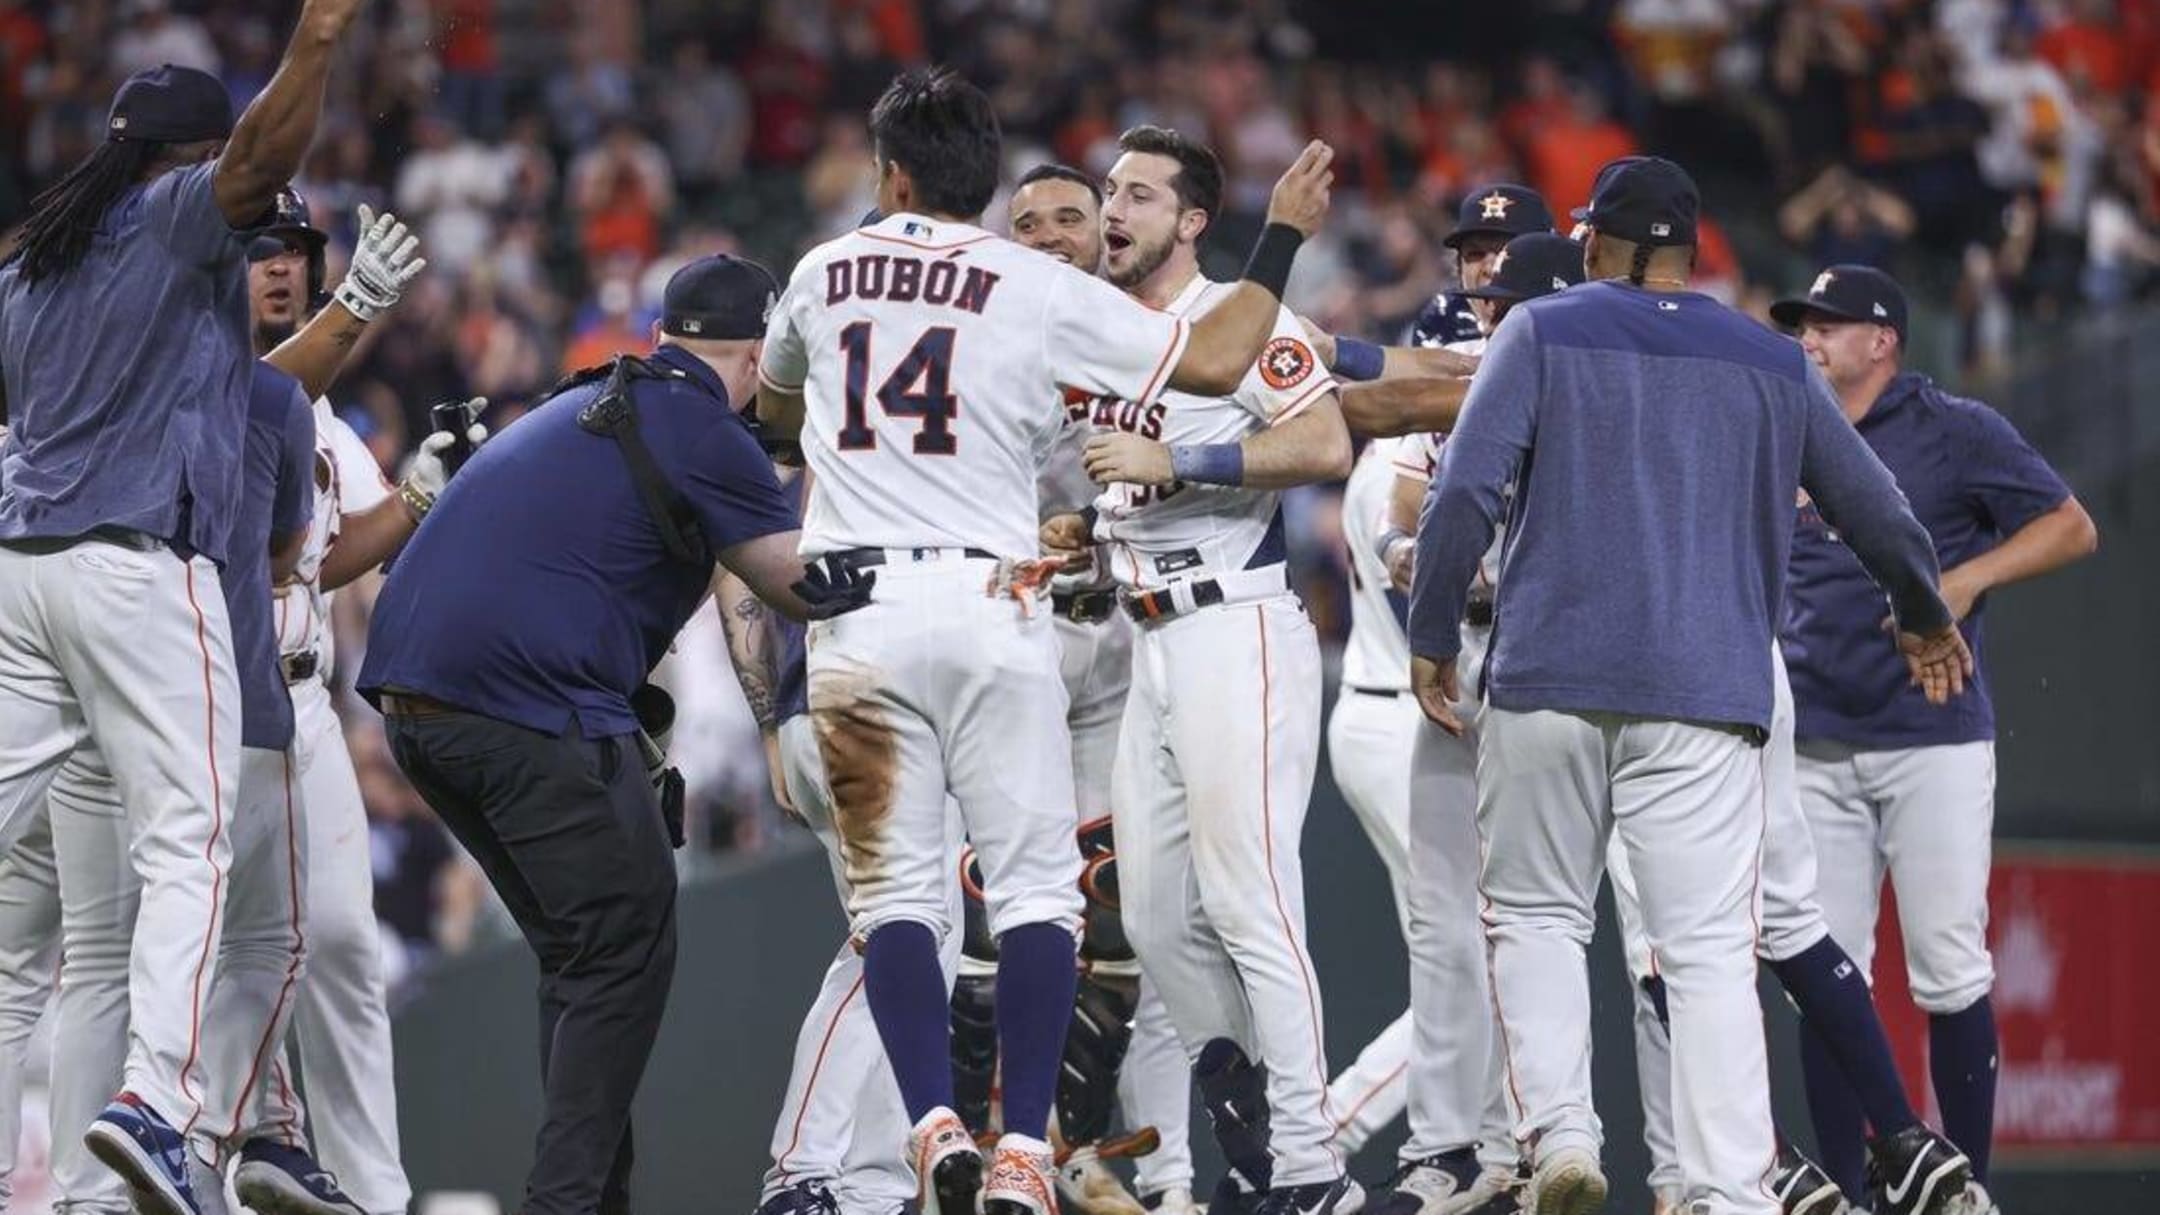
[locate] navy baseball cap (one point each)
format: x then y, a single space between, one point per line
290 219
1501 209
719 299
1849 293
168 104
1645 199
1534 264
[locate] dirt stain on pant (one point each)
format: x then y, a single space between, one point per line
862 762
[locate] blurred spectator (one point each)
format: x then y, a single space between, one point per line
622 193
787 86
253 58
587 97
1928 144
472 88
840 182
2085 43
450 184
2121 254
2039 140
706 114
1840 219
611 326
503 362
532 167
1817 58
1565 152
153 34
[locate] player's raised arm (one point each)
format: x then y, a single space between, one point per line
1227 340
270 139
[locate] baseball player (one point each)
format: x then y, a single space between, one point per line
1221 730
930 355
1888 782
1058 210
105 560
1460 1155
1606 719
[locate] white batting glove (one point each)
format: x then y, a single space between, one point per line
427 474
382 264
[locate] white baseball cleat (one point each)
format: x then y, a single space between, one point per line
1177 1200
1020 1182
1567 1181
948 1166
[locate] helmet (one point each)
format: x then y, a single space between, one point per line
290 221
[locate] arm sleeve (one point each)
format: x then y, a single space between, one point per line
181 210
1468 494
1287 377
1859 497
730 484
293 508
784 362
2009 481
1098 339
361 485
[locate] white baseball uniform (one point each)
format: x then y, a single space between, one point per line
341 1027
29 958
1095 657
1454 1052
931 355
842 1121
1219 744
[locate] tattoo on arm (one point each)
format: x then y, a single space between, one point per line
750 649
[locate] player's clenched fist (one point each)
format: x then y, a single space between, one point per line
1117 456
1301 194
1065 538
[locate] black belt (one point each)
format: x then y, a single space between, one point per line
1084 607
125 537
1389 693
864 558
300 667
1145 606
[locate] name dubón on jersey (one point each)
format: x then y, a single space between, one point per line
899 279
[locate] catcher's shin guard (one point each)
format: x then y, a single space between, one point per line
1094 1050
1233 1089
974 1007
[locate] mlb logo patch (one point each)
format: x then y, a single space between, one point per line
911 228
1661 229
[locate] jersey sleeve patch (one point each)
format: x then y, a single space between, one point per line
1286 362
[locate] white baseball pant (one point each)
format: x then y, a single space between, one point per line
340 1027
1215 767
29 956
1688 803
1792 921
842 1121
1927 816
134 650
937 690
1154 1084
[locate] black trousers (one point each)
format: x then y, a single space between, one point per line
569 832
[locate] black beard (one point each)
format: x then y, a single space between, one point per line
1146 260
269 334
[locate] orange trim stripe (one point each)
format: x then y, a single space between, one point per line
866 234
266 1048
1369 1096
817 1068
217 873
1159 379
1303 403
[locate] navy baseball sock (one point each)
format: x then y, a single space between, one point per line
906 989
1832 996
1834 1112
1035 981
1962 1058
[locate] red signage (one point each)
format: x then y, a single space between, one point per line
2076 937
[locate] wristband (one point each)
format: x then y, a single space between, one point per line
1358 360
1386 541
416 500
1272 254
1208 463
1088 516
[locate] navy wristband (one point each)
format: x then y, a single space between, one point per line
1358 360
1208 463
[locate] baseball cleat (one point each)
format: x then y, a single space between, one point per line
1177 1200
1088 1186
1341 1196
1803 1189
948 1167
1973 1200
1432 1185
134 1141
274 1179
1568 1181
1231 1198
808 1197
1020 1179
1916 1172
1496 1192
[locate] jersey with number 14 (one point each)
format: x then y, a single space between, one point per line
932 356
1156 534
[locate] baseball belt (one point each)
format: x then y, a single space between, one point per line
864 558
1085 607
1191 594
125 537
300 667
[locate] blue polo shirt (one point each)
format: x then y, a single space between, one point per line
537 590
277 501
1657 442
1972 480
128 377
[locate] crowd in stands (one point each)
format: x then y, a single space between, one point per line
561 158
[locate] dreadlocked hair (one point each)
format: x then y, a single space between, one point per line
65 218
1639 268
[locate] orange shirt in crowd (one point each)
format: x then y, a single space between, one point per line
2088 49
1564 157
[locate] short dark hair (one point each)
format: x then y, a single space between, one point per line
1199 177
1053 171
943 132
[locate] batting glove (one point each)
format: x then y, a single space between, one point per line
834 588
428 473
382 264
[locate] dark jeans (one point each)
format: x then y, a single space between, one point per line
569 832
